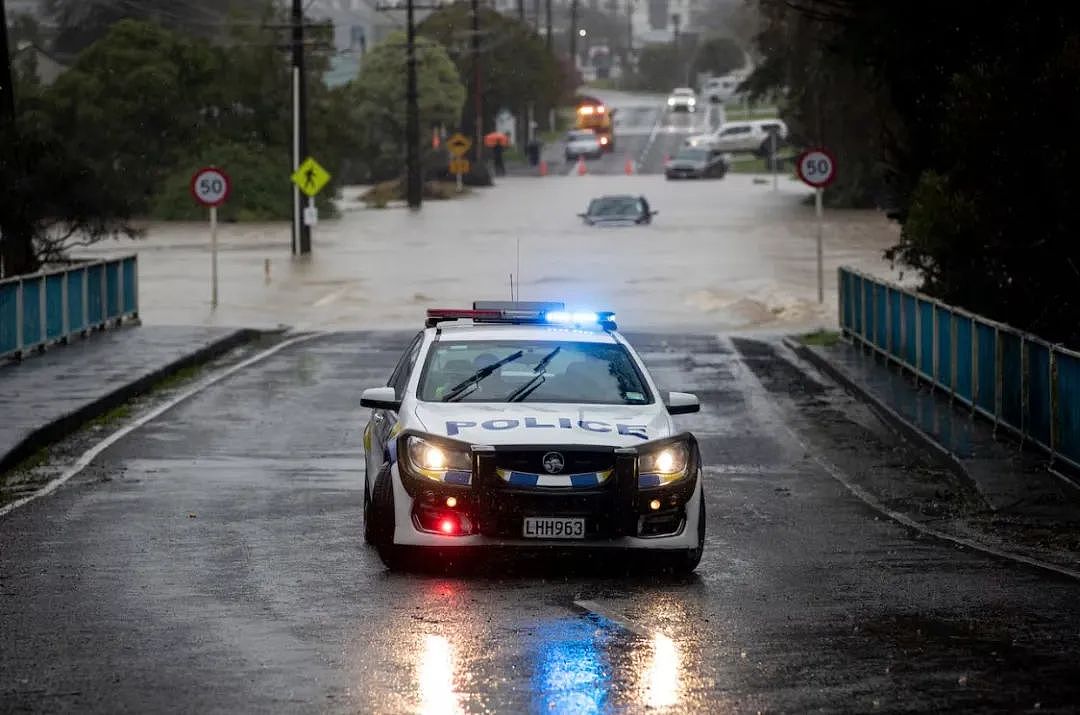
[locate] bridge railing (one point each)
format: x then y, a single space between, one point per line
52 306
1019 381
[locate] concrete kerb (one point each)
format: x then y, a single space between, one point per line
891 416
58 429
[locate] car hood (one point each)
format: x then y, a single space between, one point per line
584 144
686 164
540 424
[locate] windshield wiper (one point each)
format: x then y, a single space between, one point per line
476 377
536 380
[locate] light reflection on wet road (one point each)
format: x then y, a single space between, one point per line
213 561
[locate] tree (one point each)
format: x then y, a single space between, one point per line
660 68
378 100
517 67
53 199
718 56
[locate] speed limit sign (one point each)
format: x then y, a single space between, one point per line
210 186
816 167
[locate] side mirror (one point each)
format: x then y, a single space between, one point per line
583 215
653 213
682 403
380 398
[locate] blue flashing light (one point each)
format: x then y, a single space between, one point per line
580 318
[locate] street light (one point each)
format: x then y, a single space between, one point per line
582 32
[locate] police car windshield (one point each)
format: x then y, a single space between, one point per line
591 373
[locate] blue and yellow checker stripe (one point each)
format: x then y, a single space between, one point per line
574 481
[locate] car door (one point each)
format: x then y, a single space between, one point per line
383 421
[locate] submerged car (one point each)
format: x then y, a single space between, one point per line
619 209
697 162
524 425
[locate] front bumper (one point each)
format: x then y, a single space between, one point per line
617 513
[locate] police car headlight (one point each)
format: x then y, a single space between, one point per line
434 461
667 464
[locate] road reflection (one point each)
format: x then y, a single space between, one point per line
572 672
435 677
661 680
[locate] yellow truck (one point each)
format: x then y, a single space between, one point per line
594 114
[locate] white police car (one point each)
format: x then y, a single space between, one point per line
529 426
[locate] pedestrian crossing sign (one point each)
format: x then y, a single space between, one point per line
310 177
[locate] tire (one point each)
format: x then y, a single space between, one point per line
382 498
369 527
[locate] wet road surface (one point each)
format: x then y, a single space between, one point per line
212 560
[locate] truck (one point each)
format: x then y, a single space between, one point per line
594 114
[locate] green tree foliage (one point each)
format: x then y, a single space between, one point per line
718 56
375 101
967 115
517 68
660 67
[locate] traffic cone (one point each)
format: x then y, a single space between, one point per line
581 170
629 167
543 168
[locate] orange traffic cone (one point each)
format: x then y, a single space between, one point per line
543 168
629 167
581 170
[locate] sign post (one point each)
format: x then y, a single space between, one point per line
310 177
458 145
211 186
817 168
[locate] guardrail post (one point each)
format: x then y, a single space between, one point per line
104 296
862 306
43 307
85 301
19 320
119 292
935 360
974 365
999 377
952 356
65 321
1023 389
888 322
918 339
1053 403
135 287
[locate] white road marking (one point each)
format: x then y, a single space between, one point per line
330 297
871 501
88 456
617 619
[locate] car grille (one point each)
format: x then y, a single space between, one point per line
574 462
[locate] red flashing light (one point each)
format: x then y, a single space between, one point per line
447 526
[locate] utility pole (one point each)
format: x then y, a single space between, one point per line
521 11
478 106
573 33
547 7
414 181
7 82
301 239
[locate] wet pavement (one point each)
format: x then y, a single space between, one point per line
212 560
45 396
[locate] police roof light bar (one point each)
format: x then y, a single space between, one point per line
520 312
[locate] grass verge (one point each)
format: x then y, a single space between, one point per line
820 338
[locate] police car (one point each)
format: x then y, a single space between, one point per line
523 425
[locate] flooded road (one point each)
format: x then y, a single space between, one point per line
212 560
721 255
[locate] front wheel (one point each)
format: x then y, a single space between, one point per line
382 499
369 526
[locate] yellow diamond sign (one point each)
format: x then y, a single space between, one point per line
458 144
310 177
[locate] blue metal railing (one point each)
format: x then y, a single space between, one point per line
52 306
1018 381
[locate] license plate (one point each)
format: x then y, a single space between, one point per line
554 528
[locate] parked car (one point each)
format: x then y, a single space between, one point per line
699 162
583 142
618 209
682 99
754 136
